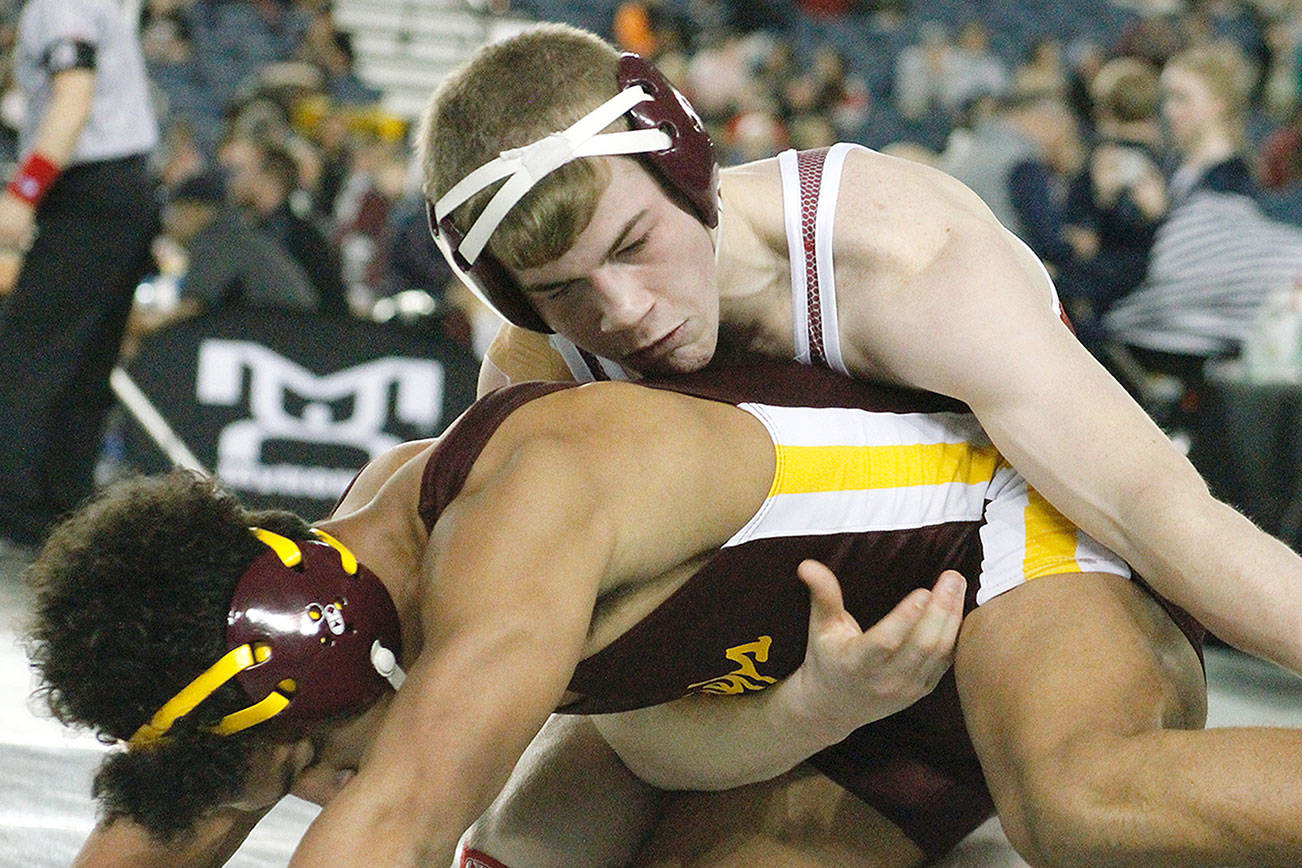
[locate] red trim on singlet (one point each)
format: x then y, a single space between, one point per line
478 859
809 167
593 362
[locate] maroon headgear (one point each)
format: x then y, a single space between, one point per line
664 131
311 634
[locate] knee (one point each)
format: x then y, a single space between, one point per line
1061 819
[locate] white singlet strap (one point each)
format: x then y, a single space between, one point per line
526 166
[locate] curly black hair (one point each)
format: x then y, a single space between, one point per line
132 595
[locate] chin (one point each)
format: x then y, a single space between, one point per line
684 360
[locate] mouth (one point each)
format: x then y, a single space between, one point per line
653 352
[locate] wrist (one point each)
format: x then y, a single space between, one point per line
799 708
34 177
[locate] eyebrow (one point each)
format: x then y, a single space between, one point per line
543 288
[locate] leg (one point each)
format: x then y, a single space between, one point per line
1085 704
569 802
801 818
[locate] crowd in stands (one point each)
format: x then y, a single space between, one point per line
1112 136
1148 151
286 181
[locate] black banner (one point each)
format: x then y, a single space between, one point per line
285 407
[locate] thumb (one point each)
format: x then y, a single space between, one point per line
825 601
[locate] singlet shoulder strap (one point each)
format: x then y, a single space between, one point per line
585 366
811 182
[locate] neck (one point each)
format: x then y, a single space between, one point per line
754 280
1212 148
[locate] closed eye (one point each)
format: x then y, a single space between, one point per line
633 247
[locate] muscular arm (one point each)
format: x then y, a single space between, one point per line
550 514
849 678
122 844
940 265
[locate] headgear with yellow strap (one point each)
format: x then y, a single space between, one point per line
312 633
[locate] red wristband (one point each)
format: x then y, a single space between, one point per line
33 179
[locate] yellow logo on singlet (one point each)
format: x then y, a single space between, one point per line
745 677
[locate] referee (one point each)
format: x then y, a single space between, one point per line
77 217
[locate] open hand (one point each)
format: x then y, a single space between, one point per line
852 676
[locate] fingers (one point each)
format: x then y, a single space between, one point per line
924 623
825 601
938 627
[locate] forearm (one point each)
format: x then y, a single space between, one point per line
69 109
717 742
1243 584
123 844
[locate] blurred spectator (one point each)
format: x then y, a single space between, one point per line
227 262
414 262
1217 257
752 135
829 91
267 186
1157 33
331 52
377 179
180 155
234 39
923 73
1235 22
939 75
1017 160
180 87
977 69
1084 60
719 81
1205 104
1118 199
1043 71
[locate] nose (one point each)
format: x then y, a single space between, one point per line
623 300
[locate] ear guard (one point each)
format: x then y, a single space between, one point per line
313 634
663 129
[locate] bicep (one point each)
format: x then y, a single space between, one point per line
997 344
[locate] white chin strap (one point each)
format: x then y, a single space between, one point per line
387 665
526 166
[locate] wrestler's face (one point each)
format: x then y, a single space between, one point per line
1189 106
314 768
639 285
336 754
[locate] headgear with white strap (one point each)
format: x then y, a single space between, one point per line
664 130
312 635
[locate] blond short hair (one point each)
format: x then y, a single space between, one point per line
1127 89
508 95
1225 71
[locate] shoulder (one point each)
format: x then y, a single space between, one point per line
604 425
517 355
898 213
386 469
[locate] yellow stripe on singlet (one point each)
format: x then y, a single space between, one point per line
1051 539
810 469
